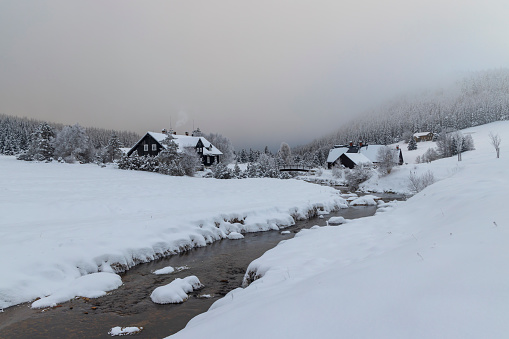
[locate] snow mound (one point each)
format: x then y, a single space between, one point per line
176 291
235 236
118 331
336 221
367 200
91 286
285 232
165 270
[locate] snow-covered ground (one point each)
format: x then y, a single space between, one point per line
434 266
59 222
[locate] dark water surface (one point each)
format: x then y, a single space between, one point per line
219 266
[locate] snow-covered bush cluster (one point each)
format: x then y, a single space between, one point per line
448 145
70 144
169 161
265 167
354 177
419 182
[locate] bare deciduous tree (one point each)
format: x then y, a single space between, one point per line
495 141
385 158
285 153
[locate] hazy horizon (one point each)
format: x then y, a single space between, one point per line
260 73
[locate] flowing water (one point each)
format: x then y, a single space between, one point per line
219 266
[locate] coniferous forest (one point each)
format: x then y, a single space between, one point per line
16 134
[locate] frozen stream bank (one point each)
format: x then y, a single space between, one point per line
219 266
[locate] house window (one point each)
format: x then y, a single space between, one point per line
154 147
208 159
145 148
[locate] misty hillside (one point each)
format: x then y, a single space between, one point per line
477 99
15 134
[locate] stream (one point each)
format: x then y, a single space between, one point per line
220 266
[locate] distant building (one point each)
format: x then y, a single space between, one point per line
423 136
342 155
152 143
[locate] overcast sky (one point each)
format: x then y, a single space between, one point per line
260 72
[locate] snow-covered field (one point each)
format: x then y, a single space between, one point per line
59 222
434 266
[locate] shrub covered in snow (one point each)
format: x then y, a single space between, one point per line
418 183
356 176
169 161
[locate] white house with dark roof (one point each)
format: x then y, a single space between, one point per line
152 143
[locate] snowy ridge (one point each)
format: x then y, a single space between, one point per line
430 267
61 221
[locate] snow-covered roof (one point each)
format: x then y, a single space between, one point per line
358 158
371 152
335 153
421 134
184 141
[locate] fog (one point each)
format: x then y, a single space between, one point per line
260 72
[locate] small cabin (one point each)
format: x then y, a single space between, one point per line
423 136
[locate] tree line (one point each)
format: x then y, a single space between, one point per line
37 140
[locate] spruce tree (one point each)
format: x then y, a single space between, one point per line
412 144
112 151
41 148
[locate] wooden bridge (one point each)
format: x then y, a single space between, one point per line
294 168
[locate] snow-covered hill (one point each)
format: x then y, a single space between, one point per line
59 222
434 266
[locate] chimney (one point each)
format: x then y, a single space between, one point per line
164 131
397 147
360 143
351 143
187 133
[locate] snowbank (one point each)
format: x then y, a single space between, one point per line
430 267
176 291
235 236
62 221
90 286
